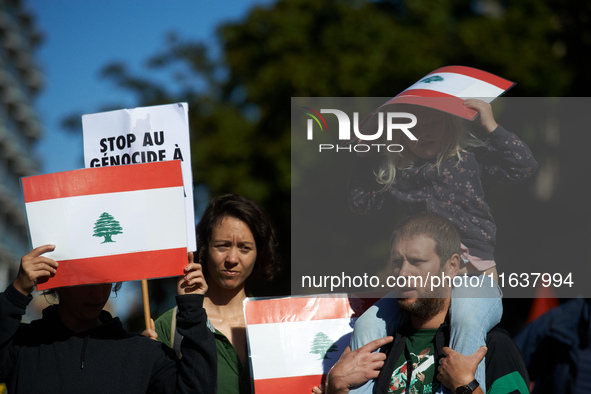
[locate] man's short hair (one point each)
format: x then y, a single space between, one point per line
440 230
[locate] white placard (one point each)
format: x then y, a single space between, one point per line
143 135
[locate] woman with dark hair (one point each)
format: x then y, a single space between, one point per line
236 243
78 347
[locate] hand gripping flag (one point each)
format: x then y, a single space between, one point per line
109 224
294 341
446 89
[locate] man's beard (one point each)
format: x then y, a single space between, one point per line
423 308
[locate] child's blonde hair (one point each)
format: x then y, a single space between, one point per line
460 140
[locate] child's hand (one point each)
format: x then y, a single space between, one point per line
487 120
35 266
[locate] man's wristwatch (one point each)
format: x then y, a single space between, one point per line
468 388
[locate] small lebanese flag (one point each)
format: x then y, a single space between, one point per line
109 224
293 342
446 89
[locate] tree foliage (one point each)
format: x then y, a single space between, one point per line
239 100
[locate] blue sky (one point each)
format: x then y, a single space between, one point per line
83 36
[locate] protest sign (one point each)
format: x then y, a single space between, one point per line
446 89
294 341
109 224
142 135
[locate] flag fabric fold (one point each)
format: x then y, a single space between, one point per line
446 89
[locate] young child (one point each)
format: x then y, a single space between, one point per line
442 173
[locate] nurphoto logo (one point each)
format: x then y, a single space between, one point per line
354 138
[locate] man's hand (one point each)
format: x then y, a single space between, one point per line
456 370
34 266
487 120
192 282
356 367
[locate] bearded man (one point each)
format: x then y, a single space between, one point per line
415 358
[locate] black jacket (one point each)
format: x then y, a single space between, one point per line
504 363
46 357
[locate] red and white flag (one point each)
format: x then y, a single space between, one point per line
293 342
143 135
109 224
446 89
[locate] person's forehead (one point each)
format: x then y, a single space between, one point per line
420 244
229 226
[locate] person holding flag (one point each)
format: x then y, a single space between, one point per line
442 172
236 244
78 347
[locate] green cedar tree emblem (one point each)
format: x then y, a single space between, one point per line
322 345
435 78
106 226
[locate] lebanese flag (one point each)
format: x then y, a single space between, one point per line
109 224
293 342
446 89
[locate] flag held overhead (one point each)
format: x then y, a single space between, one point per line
446 89
109 224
